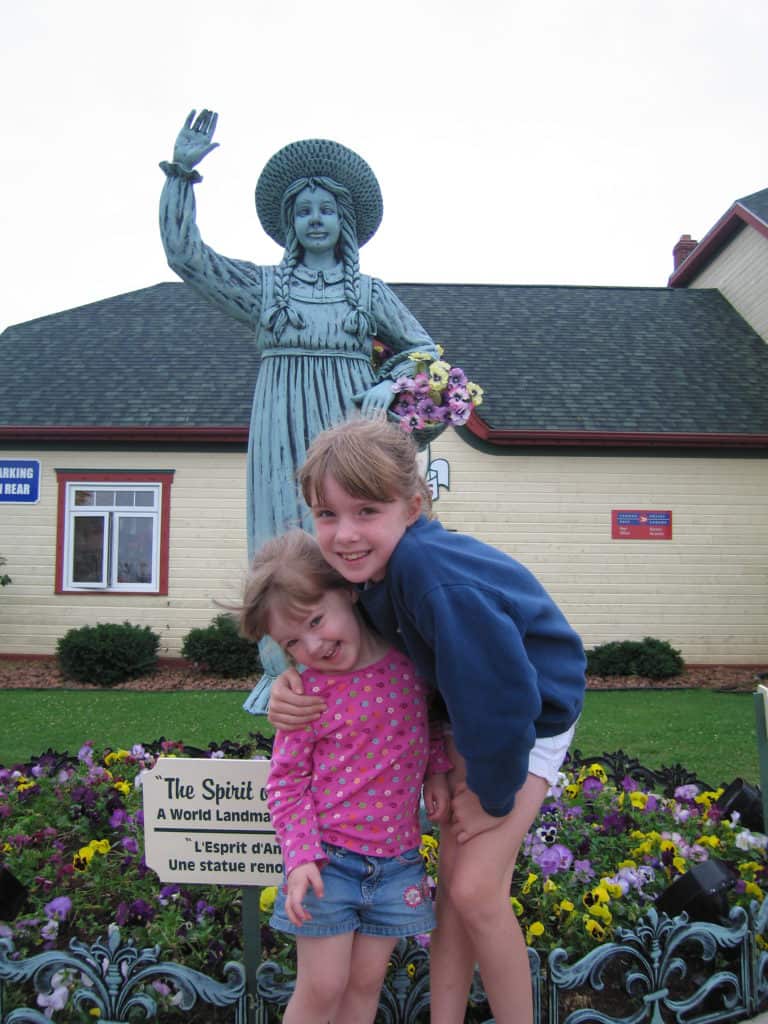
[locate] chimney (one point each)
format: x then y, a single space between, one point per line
683 250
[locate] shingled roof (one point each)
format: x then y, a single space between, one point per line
573 365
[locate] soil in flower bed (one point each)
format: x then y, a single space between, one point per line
43 674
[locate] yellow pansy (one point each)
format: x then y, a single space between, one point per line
82 858
667 846
267 898
711 841
475 393
614 890
438 374
116 755
428 843
122 787
529 883
100 845
602 912
627 864
594 928
533 931
565 907
680 864
549 886
754 890
638 799
572 790
410 970
517 906
749 867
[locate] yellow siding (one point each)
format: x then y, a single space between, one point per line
740 271
207 552
704 591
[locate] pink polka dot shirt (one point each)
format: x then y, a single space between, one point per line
353 778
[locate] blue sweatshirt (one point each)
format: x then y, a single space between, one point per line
482 628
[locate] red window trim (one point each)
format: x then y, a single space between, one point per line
162 477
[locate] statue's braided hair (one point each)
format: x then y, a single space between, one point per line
359 322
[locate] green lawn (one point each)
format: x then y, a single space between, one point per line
711 734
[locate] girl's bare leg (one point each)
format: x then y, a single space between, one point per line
479 887
451 952
370 957
475 922
322 977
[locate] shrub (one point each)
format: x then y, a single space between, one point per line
220 649
654 659
108 653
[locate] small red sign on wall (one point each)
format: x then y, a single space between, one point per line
640 525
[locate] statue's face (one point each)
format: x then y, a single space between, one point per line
316 220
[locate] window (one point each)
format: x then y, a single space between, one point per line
113 532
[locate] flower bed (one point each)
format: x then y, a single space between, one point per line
602 851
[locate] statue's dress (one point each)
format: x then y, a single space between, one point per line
307 377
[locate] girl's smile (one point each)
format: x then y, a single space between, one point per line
358 535
328 635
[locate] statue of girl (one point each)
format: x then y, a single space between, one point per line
314 315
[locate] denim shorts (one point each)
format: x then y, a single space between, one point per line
387 896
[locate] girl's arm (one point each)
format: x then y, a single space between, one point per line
290 801
289 707
233 285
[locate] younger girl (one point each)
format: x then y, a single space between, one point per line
344 792
510 669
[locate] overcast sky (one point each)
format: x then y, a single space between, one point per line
515 141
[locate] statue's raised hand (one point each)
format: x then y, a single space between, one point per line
194 140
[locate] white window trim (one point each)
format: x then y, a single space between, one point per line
111 517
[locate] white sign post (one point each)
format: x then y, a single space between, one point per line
207 822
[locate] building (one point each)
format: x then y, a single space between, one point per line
620 452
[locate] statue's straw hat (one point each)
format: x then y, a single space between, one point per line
312 158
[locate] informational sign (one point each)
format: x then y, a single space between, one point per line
207 821
20 480
641 525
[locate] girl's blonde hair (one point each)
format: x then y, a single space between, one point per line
289 573
368 458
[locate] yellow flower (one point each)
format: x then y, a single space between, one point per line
517 906
475 393
122 787
754 890
421 357
549 886
572 790
627 864
533 931
529 883
428 843
598 772
565 907
27 784
667 846
100 845
638 799
438 374
613 890
749 867
594 928
116 755
681 864
94 1011
410 970
602 912
712 841
82 858
267 899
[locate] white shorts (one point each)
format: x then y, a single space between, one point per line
548 753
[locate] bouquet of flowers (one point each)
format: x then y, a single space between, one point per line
438 395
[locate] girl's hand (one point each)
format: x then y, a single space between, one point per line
468 817
194 140
289 707
302 878
376 400
437 798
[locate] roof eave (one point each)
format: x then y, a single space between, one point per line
609 439
125 435
733 220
